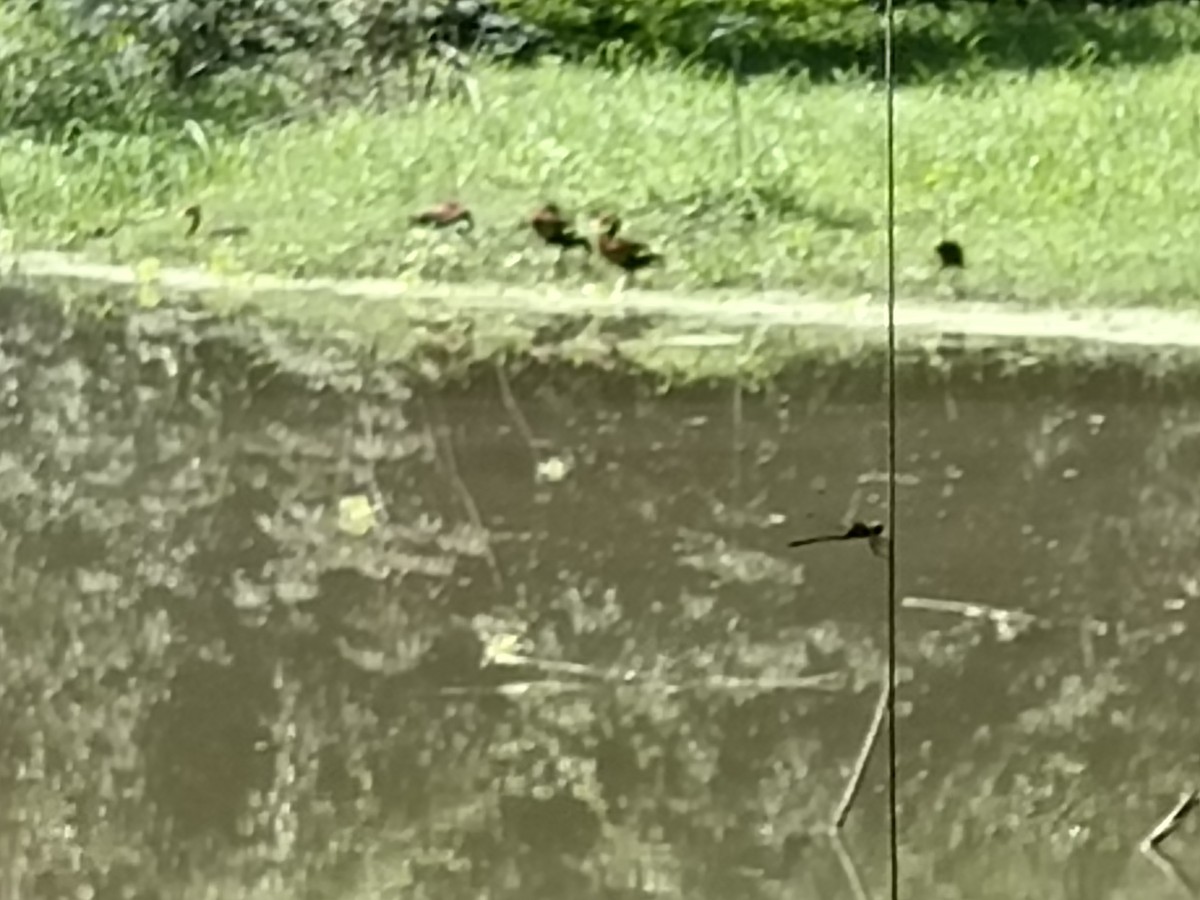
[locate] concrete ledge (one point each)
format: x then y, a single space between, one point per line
866 316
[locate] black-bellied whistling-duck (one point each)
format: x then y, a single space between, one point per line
871 532
552 226
627 254
444 215
194 217
951 254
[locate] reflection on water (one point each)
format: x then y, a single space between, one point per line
278 624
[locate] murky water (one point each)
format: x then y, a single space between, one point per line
278 624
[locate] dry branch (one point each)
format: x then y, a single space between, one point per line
1171 821
864 756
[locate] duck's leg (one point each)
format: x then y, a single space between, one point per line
585 251
956 284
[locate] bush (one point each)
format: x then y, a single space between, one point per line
63 73
827 37
205 37
137 64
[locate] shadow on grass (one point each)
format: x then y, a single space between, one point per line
755 202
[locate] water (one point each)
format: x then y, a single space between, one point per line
568 653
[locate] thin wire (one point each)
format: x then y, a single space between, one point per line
893 775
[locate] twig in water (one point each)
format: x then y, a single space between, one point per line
857 886
864 757
468 501
1171 821
1008 622
738 442
514 412
962 608
829 681
1170 870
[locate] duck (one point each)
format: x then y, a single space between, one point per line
195 217
951 254
552 226
444 215
77 234
628 255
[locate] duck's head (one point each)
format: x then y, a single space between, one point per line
609 223
192 214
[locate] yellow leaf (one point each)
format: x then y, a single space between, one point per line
502 650
356 516
553 469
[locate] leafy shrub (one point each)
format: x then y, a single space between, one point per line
824 37
135 64
132 63
62 73
54 71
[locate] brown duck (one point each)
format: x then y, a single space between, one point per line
629 255
444 215
195 217
552 226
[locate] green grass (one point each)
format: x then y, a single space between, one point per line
1065 187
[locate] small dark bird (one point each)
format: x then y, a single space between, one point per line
75 234
444 215
194 217
872 532
951 254
622 252
552 226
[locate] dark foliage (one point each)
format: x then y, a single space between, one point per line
135 65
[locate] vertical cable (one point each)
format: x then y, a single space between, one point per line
890 79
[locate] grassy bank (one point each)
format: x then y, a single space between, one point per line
1065 186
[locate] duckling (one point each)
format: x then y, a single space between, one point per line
77 234
552 226
444 215
951 254
194 217
629 255
99 232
